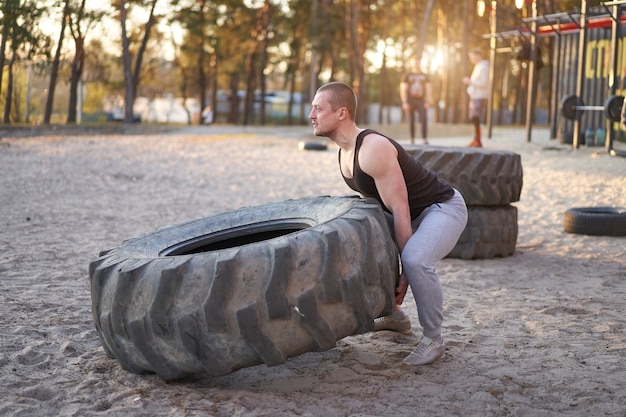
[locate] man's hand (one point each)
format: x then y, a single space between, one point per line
401 289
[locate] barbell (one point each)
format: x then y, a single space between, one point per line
571 105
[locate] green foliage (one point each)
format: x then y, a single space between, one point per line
217 40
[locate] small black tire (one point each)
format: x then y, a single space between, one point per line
490 232
256 285
312 146
595 221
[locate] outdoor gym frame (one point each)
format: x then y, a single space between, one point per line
616 18
556 25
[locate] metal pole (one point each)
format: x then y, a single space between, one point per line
493 22
610 132
617 17
314 32
582 54
530 108
554 106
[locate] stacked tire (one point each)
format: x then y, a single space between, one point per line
256 285
489 180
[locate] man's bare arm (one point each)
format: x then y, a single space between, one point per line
379 159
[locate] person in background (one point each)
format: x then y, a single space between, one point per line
426 214
415 92
478 91
207 115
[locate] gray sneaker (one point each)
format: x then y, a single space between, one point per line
402 325
425 354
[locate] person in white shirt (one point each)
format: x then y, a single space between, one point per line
478 91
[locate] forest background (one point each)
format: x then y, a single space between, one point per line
79 61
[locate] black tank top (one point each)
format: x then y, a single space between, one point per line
423 186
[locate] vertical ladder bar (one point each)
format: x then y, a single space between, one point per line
582 55
530 110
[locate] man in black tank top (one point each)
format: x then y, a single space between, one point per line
426 214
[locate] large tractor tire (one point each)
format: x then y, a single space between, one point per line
489 181
484 177
490 232
256 285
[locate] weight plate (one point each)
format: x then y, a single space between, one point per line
613 108
568 106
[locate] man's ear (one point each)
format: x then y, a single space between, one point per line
343 113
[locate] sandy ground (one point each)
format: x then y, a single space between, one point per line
540 333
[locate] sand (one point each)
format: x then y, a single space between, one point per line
540 333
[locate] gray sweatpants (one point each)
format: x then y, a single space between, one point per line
435 233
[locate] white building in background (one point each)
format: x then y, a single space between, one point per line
166 109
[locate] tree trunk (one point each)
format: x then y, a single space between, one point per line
77 74
201 64
294 67
421 39
461 115
248 108
383 86
139 59
183 81
55 66
183 95
129 94
202 81
77 63
214 84
248 115
132 77
3 46
354 31
265 21
233 114
9 96
441 91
